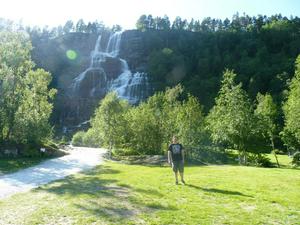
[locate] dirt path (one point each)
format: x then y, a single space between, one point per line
78 160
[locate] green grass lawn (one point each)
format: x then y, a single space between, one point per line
284 160
130 194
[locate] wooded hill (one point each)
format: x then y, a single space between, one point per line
261 50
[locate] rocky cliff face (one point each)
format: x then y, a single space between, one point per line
96 65
133 50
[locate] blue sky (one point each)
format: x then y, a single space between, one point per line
126 12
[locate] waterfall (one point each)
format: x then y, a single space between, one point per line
130 86
113 46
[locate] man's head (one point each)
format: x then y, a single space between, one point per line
174 139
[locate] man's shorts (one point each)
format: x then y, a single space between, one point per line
177 166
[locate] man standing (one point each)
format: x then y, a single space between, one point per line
176 158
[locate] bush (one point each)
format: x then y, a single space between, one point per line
63 141
77 139
125 152
259 160
90 139
279 152
296 159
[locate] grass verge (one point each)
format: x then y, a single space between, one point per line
115 193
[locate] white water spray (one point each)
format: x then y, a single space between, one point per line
129 86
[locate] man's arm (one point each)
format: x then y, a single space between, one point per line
182 153
169 157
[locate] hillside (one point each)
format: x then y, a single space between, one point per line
263 59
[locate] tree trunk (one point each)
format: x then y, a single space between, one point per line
273 147
245 157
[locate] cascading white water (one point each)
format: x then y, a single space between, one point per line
113 46
97 56
129 86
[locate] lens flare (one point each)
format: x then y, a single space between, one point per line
71 54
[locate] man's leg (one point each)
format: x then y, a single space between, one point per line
175 170
181 169
176 177
181 176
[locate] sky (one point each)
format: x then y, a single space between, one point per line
126 12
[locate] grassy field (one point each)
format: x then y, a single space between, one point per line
115 193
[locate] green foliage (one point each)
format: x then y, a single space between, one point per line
88 139
91 139
145 130
31 119
15 63
260 49
296 158
77 139
267 113
259 160
291 109
24 105
109 121
165 66
191 126
148 127
231 120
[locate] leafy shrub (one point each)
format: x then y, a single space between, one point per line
77 139
125 152
279 152
63 141
296 158
259 160
91 139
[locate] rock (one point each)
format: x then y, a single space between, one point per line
11 152
112 68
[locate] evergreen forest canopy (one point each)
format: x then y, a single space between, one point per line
259 53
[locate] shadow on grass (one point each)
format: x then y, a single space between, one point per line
219 191
105 198
105 210
90 183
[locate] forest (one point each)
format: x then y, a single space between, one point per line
217 83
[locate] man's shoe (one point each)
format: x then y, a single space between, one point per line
176 182
183 181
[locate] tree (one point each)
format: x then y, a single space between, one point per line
15 63
191 25
142 23
80 26
197 26
206 24
230 121
31 125
190 123
266 111
146 136
291 107
116 28
165 23
68 27
24 103
179 24
109 120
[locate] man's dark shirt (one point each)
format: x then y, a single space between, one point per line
176 151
